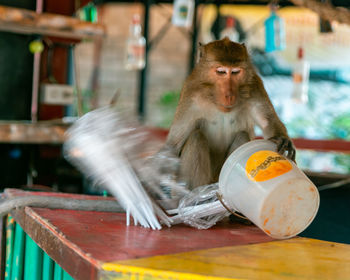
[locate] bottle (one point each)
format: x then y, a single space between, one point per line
274 32
301 75
230 30
88 13
183 13
135 46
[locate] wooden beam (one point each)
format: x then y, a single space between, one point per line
29 22
325 10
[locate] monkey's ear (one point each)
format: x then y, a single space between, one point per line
245 48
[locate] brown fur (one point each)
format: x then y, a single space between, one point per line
220 103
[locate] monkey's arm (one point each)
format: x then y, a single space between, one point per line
167 160
9 204
184 123
273 129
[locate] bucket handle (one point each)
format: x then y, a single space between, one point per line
235 213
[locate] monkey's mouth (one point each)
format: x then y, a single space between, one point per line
225 108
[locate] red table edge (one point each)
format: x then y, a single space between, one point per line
44 234
62 251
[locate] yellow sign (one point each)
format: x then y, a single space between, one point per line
265 165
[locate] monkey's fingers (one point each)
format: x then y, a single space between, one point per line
284 146
292 153
166 162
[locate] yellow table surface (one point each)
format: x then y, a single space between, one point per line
296 258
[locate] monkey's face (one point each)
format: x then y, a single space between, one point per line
227 82
226 61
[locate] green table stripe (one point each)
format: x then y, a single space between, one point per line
58 274
18 257
66 276
33 260
25 260
47 267
10 231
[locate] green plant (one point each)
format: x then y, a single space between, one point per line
167 105
341 127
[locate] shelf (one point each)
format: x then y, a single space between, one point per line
32 133
29 22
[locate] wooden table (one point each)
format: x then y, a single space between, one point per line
98 245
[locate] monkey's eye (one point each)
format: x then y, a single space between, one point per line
235 70
221 70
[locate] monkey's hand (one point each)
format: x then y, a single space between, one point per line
284 146
166 162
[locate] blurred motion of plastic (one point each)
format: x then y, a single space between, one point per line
125 158
110 149
256 181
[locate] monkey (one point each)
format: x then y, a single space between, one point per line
220 103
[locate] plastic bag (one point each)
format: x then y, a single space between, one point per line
201 208
126 159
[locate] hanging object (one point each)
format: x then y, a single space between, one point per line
88 13
183 13
274 32
36 46
135 46
230 30
325 25
301 75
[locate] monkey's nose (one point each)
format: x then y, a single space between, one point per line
230 99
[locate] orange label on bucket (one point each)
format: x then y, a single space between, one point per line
265 165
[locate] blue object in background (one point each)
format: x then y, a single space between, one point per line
15 153
275 39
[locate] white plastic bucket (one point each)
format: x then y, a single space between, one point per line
269 189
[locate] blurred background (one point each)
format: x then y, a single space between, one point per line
325 115
91 60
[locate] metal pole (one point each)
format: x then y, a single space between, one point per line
216 30
194 38
143 73
36 73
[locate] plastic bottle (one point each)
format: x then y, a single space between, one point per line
89 13
301 75
230 30
136 45
274 32
183 13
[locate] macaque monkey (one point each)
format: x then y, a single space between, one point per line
220 103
